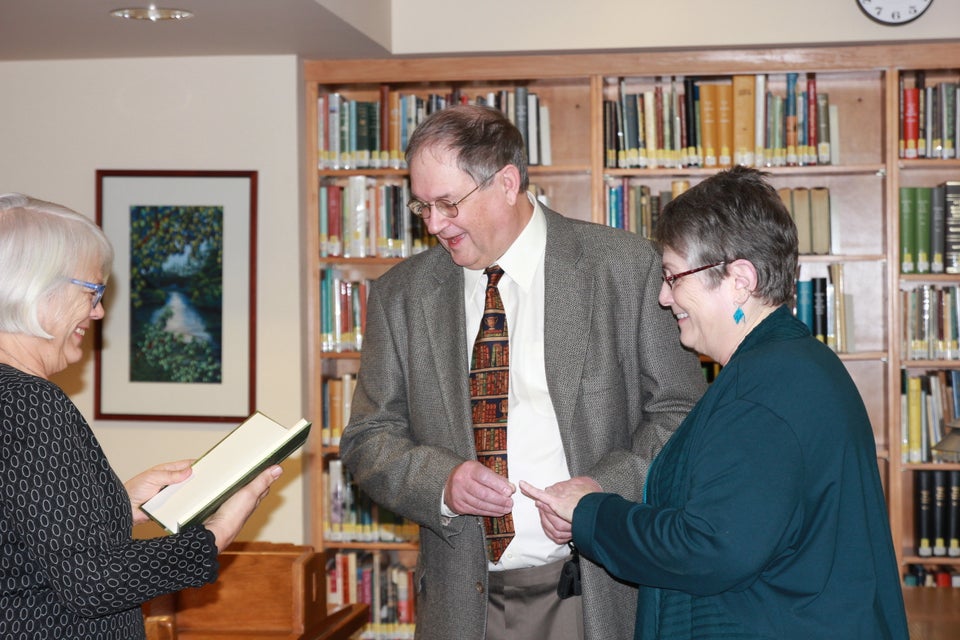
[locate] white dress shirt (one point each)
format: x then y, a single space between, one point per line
534 448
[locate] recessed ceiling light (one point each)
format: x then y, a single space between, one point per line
152 13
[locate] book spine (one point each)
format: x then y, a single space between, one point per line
924 513
938 228
811 155
759 119
940 506
953 514
908 229
923 228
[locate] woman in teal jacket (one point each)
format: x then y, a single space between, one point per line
764 515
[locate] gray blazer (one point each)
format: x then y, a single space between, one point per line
619 380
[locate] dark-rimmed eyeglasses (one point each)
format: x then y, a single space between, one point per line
97 289
670 280
446 208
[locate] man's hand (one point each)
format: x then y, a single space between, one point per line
473 489
144 486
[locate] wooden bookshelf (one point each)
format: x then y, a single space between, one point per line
862 81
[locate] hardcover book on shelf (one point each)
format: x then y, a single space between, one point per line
951 210
708 123
725 124
924 513
938 228
257 443
922 220
908 229
820 221
744 104
801 216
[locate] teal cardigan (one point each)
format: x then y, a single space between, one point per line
764 514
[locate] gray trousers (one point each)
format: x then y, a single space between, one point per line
524 606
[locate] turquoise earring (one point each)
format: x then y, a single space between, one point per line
738 315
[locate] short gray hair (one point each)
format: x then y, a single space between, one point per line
42 246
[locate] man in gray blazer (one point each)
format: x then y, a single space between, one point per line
598 382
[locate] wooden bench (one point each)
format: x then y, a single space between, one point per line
265 591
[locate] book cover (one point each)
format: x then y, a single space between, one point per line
725 125
953 515
823 128
941 504
708 123
924 511
908 229
923 218
951 212
911 122
801 217
759 119
257 443
820 309
938 228
820 220
650 126
948 118
914 419
790 119
810 152
744 120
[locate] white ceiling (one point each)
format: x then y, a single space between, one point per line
66 29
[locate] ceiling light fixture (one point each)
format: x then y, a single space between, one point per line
151 13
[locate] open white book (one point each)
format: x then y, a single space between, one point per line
233 462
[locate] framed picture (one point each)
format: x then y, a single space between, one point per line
178 341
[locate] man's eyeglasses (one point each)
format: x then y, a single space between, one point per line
671 279
446 208
97 289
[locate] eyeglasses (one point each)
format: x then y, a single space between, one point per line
671 280
446 208
97 289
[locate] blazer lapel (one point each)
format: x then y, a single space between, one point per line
448 340
567 310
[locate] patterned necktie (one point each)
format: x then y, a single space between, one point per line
489 384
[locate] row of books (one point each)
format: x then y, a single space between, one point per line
385 586
930 326
928 124
810 210
351 516
938 512
930 228
337 402
929 403
362 134
635 206
720 122
924 576
343 303
361 217
824 305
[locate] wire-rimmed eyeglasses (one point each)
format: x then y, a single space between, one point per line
670 280
446 208
97 289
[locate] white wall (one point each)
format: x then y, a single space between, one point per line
61 121
429 26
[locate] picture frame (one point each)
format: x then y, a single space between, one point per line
178 339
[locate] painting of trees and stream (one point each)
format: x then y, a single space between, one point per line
176 294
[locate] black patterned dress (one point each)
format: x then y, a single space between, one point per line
69 567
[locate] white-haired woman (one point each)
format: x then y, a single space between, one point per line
69 567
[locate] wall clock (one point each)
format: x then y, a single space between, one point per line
894 12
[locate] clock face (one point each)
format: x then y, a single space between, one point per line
894 12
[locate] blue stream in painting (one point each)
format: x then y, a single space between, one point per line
186 321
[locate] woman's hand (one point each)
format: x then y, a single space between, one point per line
144 486
557 502
227 521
